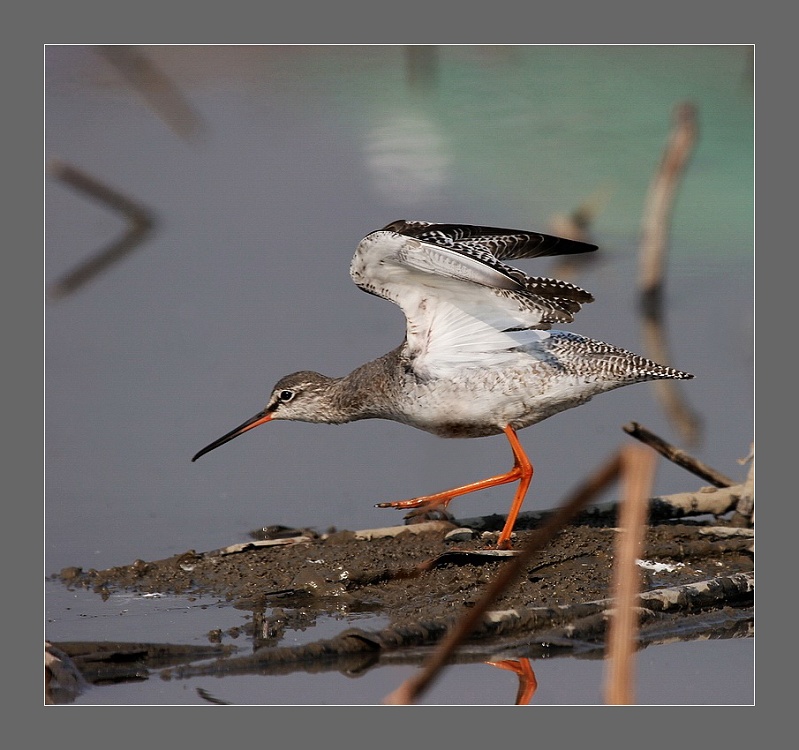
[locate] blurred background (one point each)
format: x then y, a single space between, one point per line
202 207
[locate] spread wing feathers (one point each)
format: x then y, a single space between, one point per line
389 262
443 338
458 246
503 244
462 303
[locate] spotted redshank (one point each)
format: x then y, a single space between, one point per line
479 356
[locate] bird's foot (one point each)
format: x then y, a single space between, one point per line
426 502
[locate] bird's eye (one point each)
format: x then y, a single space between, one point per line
286 396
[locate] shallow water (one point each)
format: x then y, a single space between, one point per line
299 153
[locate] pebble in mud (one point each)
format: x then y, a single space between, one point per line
459 535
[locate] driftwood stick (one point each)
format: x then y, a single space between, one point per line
677 455
92 187
139 220
660 200
63 680
638 470
714 500
652 260
576 225
523 630
746 503
160 93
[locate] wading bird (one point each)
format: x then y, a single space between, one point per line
479 357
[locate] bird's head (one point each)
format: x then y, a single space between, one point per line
302 396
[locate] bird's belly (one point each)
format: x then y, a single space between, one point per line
482 405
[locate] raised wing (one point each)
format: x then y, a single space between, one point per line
502 244
462 303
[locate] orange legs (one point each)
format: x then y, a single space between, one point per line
522 471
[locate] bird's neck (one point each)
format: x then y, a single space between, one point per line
367 392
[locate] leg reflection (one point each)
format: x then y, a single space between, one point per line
527 681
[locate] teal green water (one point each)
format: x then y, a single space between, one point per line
535 130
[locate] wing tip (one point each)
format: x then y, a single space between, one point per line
554 244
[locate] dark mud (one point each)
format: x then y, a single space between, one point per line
423 578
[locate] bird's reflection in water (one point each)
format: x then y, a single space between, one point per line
523 669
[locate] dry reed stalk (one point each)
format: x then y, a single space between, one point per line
638 468
660 200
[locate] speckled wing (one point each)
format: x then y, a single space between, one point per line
463 305
502 244
476 253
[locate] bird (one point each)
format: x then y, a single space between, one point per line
480 356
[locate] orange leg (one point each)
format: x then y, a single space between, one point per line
522 471
527 681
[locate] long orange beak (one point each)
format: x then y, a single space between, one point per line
260 418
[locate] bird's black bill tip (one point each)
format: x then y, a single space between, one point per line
209 448
258 419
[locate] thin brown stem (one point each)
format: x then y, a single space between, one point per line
660 200
139 220
638 469
678 456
